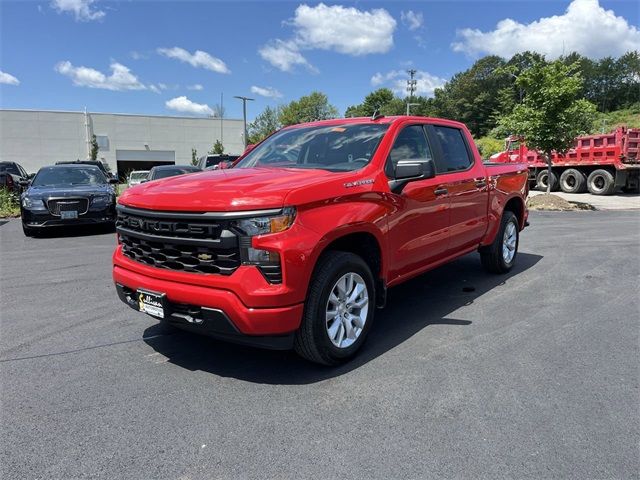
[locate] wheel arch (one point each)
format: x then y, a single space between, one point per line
362 240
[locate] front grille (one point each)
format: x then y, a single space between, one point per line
180 242
56 205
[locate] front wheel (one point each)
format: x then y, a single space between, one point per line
339 309
500 256
28 231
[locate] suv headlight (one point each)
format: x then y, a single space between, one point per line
268 224
35 204
101 200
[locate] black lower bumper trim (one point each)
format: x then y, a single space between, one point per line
208 321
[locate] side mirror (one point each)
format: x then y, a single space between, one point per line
31 175
410 170
24 183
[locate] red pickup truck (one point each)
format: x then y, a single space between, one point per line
297 244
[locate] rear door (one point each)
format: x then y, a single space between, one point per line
464 179
418 228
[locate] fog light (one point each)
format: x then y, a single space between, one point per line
257 256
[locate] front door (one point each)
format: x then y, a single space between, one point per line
418 228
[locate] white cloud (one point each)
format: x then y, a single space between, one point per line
397 81
345 30
197 87
197 59
585 27
284 56
8 79
412 20
81 9
184 105
341 29
268 92
121 77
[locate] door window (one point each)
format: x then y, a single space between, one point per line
455 155
411 144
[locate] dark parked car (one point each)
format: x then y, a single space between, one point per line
165 171
67 195
11 174
95 163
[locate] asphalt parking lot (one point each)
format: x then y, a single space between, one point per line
466 375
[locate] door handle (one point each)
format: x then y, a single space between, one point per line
441 191
480 182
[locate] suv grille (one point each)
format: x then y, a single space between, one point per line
56 205
177 241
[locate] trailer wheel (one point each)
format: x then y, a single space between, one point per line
541 181
573 181
601 182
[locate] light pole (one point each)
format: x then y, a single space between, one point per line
244 114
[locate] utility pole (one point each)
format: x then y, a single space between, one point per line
412 84
244 114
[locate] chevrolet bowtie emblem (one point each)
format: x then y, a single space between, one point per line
205 256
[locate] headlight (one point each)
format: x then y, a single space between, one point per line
268 224
33 203
101 200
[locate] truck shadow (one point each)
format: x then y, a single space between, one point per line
426 300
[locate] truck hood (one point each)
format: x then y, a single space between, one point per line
224 190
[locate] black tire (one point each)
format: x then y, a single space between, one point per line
28 231
601 182
541 181
312 340
491 256
573 181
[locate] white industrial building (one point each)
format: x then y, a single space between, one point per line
127 142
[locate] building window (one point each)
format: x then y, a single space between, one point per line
103 142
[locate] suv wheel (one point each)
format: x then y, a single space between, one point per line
28 231
339 309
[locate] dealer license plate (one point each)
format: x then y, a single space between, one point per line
68 214
151 303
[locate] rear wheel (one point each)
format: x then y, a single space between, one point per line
542 180
601 182
500 256
573 181
339 309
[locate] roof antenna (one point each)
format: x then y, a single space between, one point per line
376 115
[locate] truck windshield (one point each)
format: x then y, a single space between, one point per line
337 148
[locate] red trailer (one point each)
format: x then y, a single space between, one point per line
597 163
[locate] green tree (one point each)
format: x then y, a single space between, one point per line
218 148
194 156
264 125
551 114
93 154
309 108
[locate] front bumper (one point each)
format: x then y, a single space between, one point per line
217 312
40 219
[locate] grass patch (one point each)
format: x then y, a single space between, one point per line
9 204
608 122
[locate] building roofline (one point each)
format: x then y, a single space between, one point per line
181 117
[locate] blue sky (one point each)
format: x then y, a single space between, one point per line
175 58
